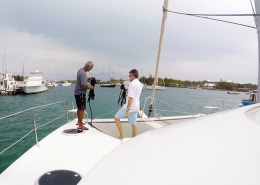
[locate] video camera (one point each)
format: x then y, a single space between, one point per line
93 81
91 94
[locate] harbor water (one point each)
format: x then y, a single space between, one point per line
178 101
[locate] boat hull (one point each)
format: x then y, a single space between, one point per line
66 84
156 88
107 85
247 102
34 84
51 84
34 89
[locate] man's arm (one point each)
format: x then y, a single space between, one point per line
87 87
130 101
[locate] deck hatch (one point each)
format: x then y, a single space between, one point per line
58 177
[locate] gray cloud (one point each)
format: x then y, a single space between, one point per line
46 34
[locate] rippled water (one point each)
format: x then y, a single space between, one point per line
104 105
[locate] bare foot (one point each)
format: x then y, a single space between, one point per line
83 128
121 137
83 123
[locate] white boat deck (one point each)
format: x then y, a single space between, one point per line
202 149
221 148
77 152
56 152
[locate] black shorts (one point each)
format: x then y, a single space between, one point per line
81 101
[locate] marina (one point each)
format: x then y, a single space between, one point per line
184 136
190 101
33 84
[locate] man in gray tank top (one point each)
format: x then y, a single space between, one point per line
80 92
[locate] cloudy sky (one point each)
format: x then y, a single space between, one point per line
57 37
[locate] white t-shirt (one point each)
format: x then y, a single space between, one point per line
134 91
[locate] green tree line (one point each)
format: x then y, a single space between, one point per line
169 82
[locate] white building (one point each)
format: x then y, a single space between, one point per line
209 86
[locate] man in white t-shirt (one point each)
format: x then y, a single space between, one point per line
132 105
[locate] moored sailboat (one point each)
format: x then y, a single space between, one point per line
66 83
108 84
51 84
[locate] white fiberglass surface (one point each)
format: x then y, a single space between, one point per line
221 148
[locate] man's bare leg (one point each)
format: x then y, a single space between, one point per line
80 114
134 130
119 127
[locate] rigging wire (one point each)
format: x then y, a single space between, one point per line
253 10
208 16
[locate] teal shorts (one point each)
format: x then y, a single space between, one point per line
121 113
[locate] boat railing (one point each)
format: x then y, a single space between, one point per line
66 103
218 105
168 108
215 105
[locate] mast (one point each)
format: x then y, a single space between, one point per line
109 72
257 20
23 71
4 70
165 7
5 64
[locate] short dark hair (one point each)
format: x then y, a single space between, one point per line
134 72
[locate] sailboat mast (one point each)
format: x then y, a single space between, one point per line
165 7
257 7
4 70
109 74
23 71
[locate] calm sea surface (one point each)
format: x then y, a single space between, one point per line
178 100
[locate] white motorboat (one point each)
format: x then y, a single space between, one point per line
34 84
221 148
66 83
